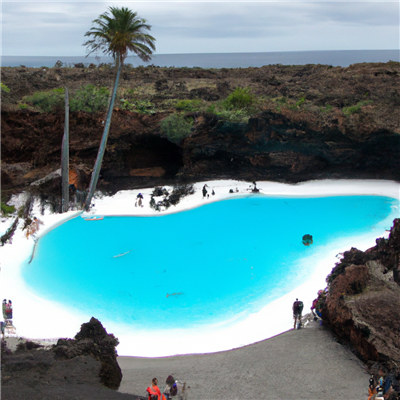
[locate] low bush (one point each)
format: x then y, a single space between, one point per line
46 101
240 99
189 105
176 127
4 88
90 99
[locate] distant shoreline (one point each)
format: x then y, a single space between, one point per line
342 58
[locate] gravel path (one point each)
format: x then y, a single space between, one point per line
299 364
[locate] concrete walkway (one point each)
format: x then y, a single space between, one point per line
299 364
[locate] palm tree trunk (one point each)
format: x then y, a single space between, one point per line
103 143
65 159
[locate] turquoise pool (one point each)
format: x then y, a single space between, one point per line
201 266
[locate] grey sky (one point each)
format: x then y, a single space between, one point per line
55 28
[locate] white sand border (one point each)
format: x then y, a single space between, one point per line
35 317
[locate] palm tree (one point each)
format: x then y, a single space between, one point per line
116 33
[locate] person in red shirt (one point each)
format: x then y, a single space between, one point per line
154 391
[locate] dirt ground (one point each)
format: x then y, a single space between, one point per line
299 364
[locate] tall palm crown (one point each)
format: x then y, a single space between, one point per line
118 32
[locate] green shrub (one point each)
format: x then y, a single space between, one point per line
189 105
23 106
240 99
46 101
4 88
357 108
176 127
233 115
7 210
90 99
58 64
139 106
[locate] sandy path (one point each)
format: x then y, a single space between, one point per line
302 364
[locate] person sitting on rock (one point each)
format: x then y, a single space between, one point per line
313 307
154 391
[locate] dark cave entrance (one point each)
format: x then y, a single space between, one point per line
153 157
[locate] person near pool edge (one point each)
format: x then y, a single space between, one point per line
297 310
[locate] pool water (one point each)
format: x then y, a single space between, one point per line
210 264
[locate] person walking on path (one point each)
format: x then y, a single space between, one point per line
154 391
297 310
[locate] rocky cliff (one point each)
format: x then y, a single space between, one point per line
311 122
362 306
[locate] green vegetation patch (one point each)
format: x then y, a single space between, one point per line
46 101
357 108
176 127
240 99
90 99
4 88
7 210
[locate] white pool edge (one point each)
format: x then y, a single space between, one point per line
64 323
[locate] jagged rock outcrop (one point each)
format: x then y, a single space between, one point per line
93 340
363 304
83 367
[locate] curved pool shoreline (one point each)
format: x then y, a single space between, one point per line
271 320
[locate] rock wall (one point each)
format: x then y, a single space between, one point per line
363 304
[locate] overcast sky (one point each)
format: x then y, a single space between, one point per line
56 28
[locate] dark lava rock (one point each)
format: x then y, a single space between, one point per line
363 303
93 340
82 368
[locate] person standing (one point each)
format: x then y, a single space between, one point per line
9 310
4 309
139 200
204 191
297 310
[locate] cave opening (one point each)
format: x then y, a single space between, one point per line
153 157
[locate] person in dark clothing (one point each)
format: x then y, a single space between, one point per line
204 191
297 311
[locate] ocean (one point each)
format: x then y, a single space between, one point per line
342 58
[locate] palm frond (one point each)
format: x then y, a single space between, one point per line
118 32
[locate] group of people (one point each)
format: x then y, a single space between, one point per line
298 309
205 192
7 309
378 391
170 391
